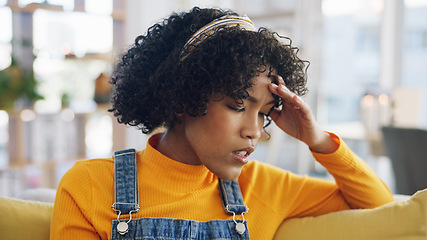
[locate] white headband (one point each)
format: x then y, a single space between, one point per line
203 33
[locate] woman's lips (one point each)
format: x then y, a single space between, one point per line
243 154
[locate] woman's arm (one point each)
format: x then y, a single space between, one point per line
71 214
357 183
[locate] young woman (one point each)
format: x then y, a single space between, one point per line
213 81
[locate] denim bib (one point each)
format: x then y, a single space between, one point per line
127 203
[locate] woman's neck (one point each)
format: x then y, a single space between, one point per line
174 145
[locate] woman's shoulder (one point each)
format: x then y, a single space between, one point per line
87 185
94 162
87 172
93 165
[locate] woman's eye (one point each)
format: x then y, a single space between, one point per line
236 109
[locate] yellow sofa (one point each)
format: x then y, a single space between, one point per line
403 220
399 220
24 219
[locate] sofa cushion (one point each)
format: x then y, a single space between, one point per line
403 220
23 219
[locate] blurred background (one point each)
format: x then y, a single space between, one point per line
368 71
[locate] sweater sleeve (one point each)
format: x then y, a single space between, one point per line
288 195
357 183
71 212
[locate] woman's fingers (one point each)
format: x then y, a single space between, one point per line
289 98
295 117
280 80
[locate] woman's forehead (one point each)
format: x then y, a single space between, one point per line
259 89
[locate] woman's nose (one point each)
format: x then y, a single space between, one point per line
251 128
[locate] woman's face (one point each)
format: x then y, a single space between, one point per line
223 139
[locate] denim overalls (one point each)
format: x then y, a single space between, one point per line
127 203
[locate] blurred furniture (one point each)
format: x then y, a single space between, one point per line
407 149
25 219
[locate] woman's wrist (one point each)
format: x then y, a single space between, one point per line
325 145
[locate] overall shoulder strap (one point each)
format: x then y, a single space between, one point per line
125 182
232 198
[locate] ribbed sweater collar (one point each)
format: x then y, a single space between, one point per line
170 171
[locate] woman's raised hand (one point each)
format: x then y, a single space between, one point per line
297 120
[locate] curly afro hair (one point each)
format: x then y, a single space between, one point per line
153 84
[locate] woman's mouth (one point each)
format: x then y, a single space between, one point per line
242 155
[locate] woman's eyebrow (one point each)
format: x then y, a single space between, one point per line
254 100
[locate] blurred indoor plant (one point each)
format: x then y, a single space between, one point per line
17 84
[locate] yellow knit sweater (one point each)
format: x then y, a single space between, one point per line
171 189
